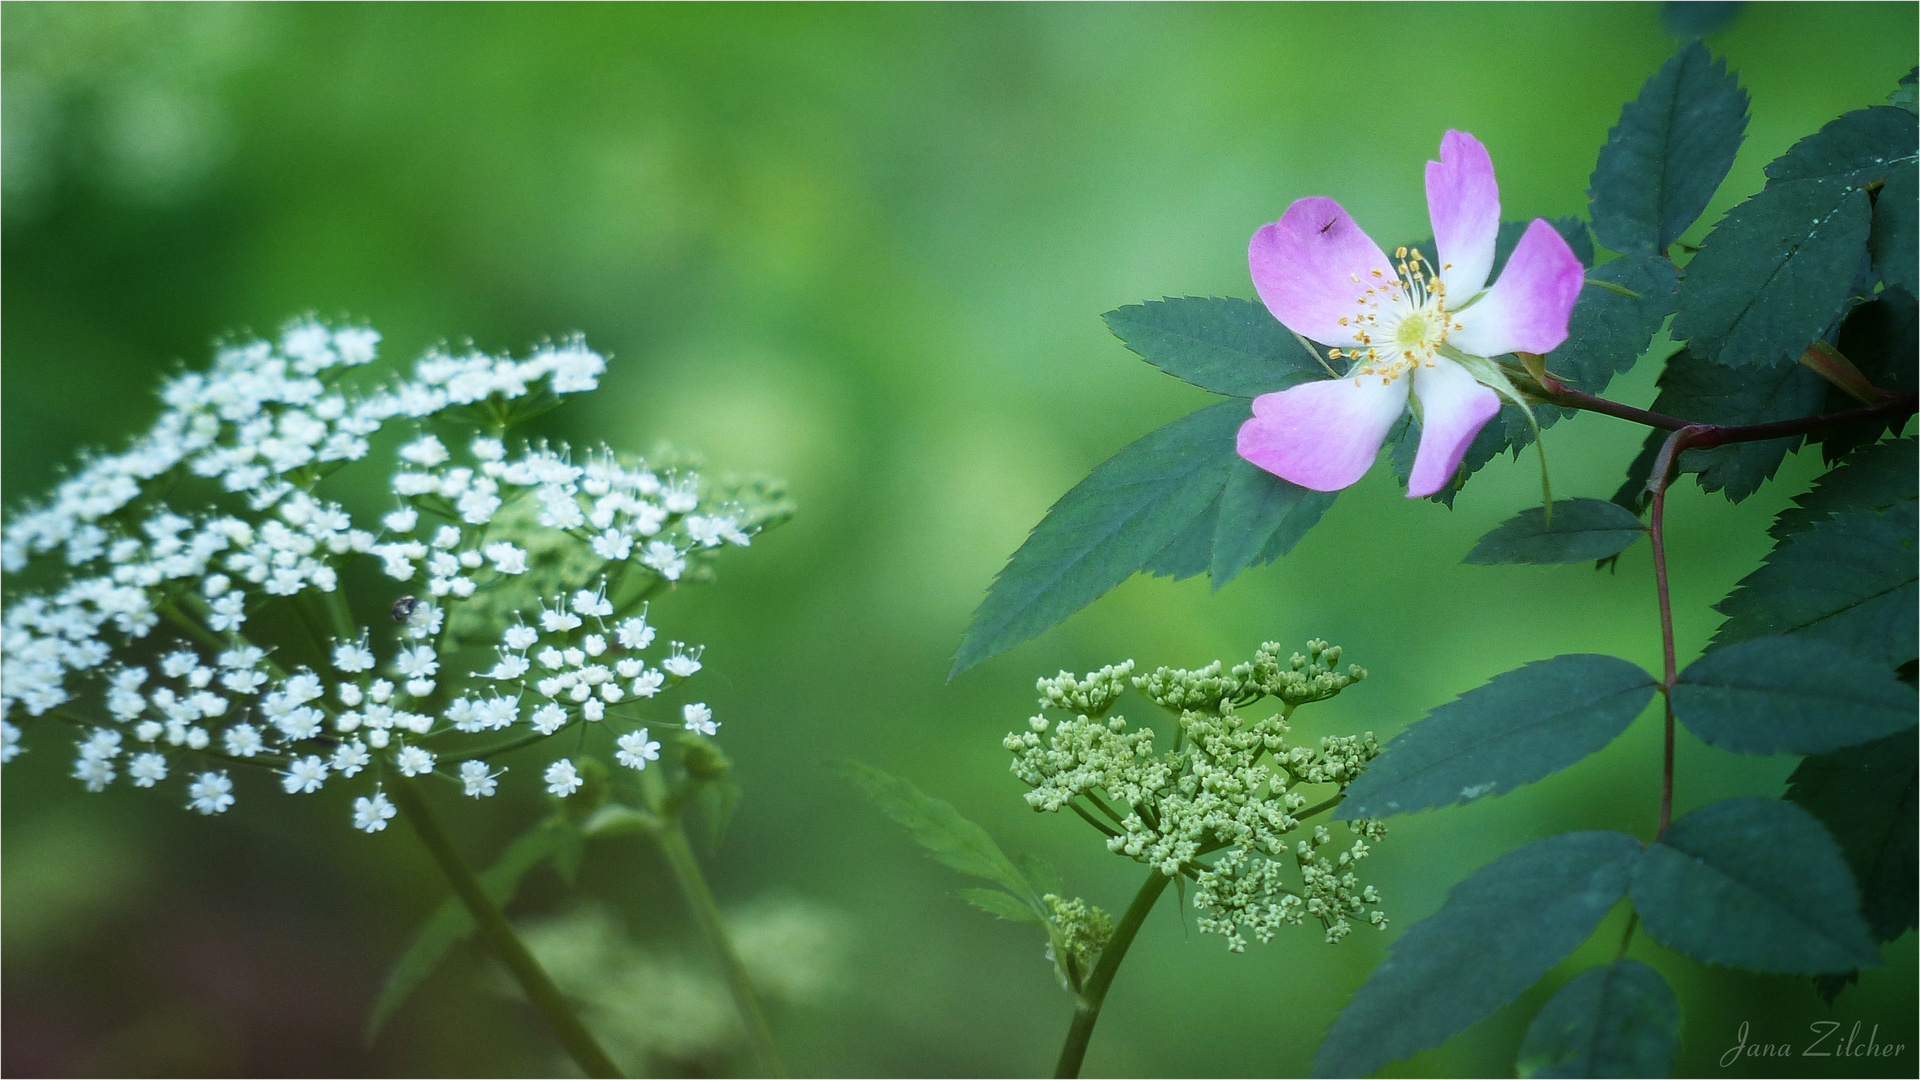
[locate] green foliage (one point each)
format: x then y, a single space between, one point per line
1118 519
1608 330
1227 345
1666 157
1780 267
1261 518
1001 904
1521 726
1697 18
1776 695
1581 529
555 839
1848 580
1865 796
1618 1019
1881 338
935 825
1870 479
1894 238
1703 391
1499 931
1753 883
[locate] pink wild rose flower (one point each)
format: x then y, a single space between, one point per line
1407 326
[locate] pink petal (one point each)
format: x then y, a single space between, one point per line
1527 309
1453 409
1322 435
1464 204
1312 266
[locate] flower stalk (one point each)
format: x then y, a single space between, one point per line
499 934
1086 1011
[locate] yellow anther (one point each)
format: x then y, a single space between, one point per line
1376 273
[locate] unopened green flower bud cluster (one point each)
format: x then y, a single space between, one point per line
1230 784
1082 930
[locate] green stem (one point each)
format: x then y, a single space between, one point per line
499 935
1086 1012
693 884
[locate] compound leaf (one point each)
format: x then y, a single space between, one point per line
1848 580
1865 796
1666 157
1705 392
1521 726
1223 344
1117 520
1609 331
1894 238
1619 1019
1499 931
1581 529
935 825
1775 695
1871 478
1261 518
1756 884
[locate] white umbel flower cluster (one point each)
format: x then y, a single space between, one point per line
178 640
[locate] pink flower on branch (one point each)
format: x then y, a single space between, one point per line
1409 328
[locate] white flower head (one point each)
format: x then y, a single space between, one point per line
372 815
210 793
636 749
304 775
479 782
697 717
562 778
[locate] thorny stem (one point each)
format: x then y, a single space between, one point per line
1086 1010
672 836
499 935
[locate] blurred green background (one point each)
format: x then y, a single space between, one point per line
863 248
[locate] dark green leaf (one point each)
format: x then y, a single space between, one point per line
554 838
1755 884
1848 580
1903 94
1523 725
1002 905
1881 338
935 825
1858 148
1774 274
1632 495
1894 238
1871 478
1697 18
1190 553
1619 1019
1608 331
1226 345
1666 157
1261 518
1779 695
1581 529
1709 393
1111 524
1865 796
1498 932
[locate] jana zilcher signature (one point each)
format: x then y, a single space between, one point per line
1826 1043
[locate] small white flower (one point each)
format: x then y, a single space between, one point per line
634 633
9 742
549 718
648 684
401 520
551 658
506 558
350 694
242 740
699 718
511 666
593 709
243 682
636 749
486 448
426 451
147 769
446 538
590 603
594 644
682 664
418 661
372 815
304 775
211 793
520 636
562 779
413 761
95 772
420 687
558 622
350 757
353 657
612 545
480 783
